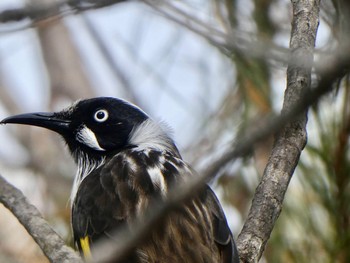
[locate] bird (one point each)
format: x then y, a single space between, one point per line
125 161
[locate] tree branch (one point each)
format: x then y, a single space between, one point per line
224 41
124 241
48 240
267 203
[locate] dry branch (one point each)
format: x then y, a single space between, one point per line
28 215
291 140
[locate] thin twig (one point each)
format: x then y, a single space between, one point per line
225 41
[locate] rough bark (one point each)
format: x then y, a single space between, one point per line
48 240
267 202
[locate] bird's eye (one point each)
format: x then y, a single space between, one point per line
101 115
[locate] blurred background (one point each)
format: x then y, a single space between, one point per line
184 64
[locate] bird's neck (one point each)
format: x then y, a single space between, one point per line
151 135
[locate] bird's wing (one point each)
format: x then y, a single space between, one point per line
103 203
93 212
222 233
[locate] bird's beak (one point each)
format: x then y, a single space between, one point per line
41 119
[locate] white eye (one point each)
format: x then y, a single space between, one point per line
101 115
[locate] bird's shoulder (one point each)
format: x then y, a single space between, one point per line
146 171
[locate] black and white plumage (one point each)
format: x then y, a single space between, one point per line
126 161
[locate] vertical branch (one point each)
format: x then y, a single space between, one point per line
267 202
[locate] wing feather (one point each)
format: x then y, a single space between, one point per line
222 233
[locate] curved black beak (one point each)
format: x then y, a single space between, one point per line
41 119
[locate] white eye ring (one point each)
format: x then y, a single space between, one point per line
101 115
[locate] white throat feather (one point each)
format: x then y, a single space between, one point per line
85 167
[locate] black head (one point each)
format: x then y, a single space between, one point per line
97 127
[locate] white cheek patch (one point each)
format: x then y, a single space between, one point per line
88 137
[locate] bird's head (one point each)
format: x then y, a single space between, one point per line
99 127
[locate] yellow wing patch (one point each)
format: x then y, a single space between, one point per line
85 246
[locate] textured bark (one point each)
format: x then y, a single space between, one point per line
267 202
48 240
